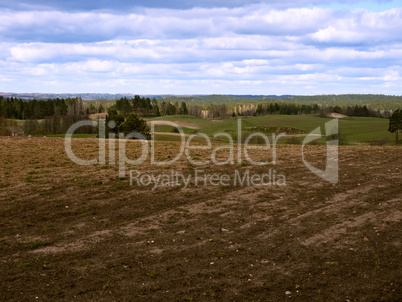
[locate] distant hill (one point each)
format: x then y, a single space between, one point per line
84 96
378 101
251 96
110 96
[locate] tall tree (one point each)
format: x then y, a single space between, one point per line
183 108
134 124
170 109
395 123
115 120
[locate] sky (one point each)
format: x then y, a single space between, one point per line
260 47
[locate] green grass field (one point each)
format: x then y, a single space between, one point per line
355 130
201 123
170 129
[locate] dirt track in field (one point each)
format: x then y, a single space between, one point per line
81 232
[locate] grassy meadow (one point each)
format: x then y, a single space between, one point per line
355 130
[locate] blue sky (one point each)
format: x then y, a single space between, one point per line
302 47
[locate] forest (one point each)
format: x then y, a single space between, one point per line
55 116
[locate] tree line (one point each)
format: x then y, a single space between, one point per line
361 111
380 102
284 108
14 108
43 116
142 106
55 116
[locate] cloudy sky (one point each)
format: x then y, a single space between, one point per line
303 47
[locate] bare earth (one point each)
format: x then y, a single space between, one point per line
79 232
183 124
337 115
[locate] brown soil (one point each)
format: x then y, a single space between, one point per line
171 133
79 232
96 116
337 115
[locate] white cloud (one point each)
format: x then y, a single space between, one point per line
322 25
226 50
362 27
